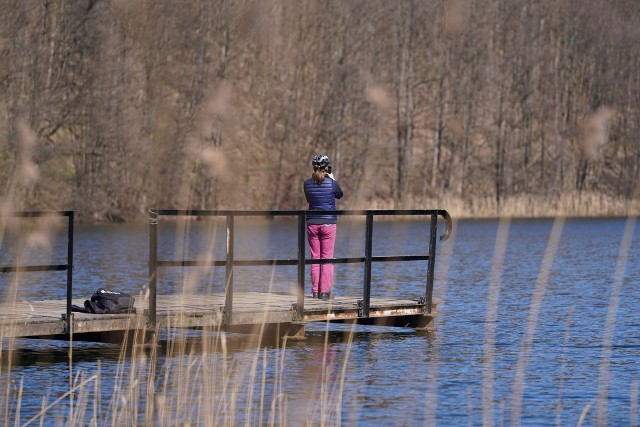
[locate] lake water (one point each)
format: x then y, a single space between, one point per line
540 361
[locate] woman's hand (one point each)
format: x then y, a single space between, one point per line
330 175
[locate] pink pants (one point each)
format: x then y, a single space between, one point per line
322 239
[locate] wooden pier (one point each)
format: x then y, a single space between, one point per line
250 311
232 310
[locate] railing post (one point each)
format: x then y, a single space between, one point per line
228 290
301 264
366 300
153 266
432 260
69 271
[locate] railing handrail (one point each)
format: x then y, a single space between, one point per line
301 261
68 267
273 213
32 214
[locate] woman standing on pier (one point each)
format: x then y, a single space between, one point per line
321 191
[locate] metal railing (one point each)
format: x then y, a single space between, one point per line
68 267
230 262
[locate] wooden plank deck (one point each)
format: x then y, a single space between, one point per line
45 318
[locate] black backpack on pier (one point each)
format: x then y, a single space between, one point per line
107 302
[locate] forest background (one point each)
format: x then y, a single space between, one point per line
484 108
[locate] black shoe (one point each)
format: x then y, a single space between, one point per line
314 295
325 296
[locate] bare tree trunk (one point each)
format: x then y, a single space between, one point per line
465 148
439 128
404 99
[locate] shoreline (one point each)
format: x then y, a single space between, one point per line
584 205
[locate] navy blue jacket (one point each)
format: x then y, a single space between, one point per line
322 197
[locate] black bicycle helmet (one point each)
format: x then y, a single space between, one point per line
320 161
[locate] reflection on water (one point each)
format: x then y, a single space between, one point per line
373 374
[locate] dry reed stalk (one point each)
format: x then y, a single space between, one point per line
212 346
567 335
584 413
610 322
532 321
279 396
493 297
97 397
148 370
254 362
43 405
250 374
431 398
263 383
59 399
324 378
343 372
6 391
252 379
19 400
70 360
176 346
81 403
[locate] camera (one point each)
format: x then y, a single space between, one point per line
329 169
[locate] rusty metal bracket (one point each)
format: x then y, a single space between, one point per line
68 322
448 224
295 316
360 304
422 301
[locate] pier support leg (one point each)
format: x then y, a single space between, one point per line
272 332
293 332
425 324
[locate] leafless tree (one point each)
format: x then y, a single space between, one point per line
222 104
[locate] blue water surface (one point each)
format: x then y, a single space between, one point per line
341 375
